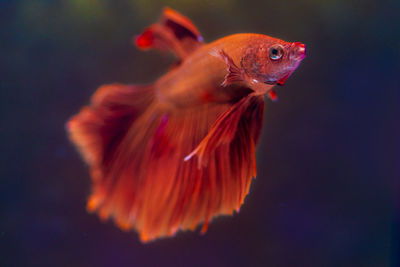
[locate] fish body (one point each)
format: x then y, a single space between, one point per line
202 72
174 154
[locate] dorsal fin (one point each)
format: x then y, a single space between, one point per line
181 25
173 32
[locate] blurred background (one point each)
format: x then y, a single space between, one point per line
328 164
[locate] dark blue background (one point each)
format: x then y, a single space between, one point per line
328 160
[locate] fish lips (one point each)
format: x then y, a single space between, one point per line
297 51
281 81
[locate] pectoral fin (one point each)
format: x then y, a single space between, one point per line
235 74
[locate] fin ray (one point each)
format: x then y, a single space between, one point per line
235 74
136 152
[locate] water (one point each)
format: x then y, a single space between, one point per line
325 190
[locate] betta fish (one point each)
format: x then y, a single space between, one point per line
171 155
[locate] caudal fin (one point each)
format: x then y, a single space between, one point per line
136 151
99 127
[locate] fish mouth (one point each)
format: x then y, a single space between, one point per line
298 51
280 81
271 82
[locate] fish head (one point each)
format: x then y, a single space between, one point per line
272 61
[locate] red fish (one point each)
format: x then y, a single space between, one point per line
171 155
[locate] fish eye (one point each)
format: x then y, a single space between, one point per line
275 52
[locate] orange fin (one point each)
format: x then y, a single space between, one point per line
173 32
235 74
180 24
135 152
96 128
243 118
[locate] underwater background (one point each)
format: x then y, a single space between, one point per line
327 188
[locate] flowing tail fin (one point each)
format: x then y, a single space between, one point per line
136 151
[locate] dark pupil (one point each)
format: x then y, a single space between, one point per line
275 51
